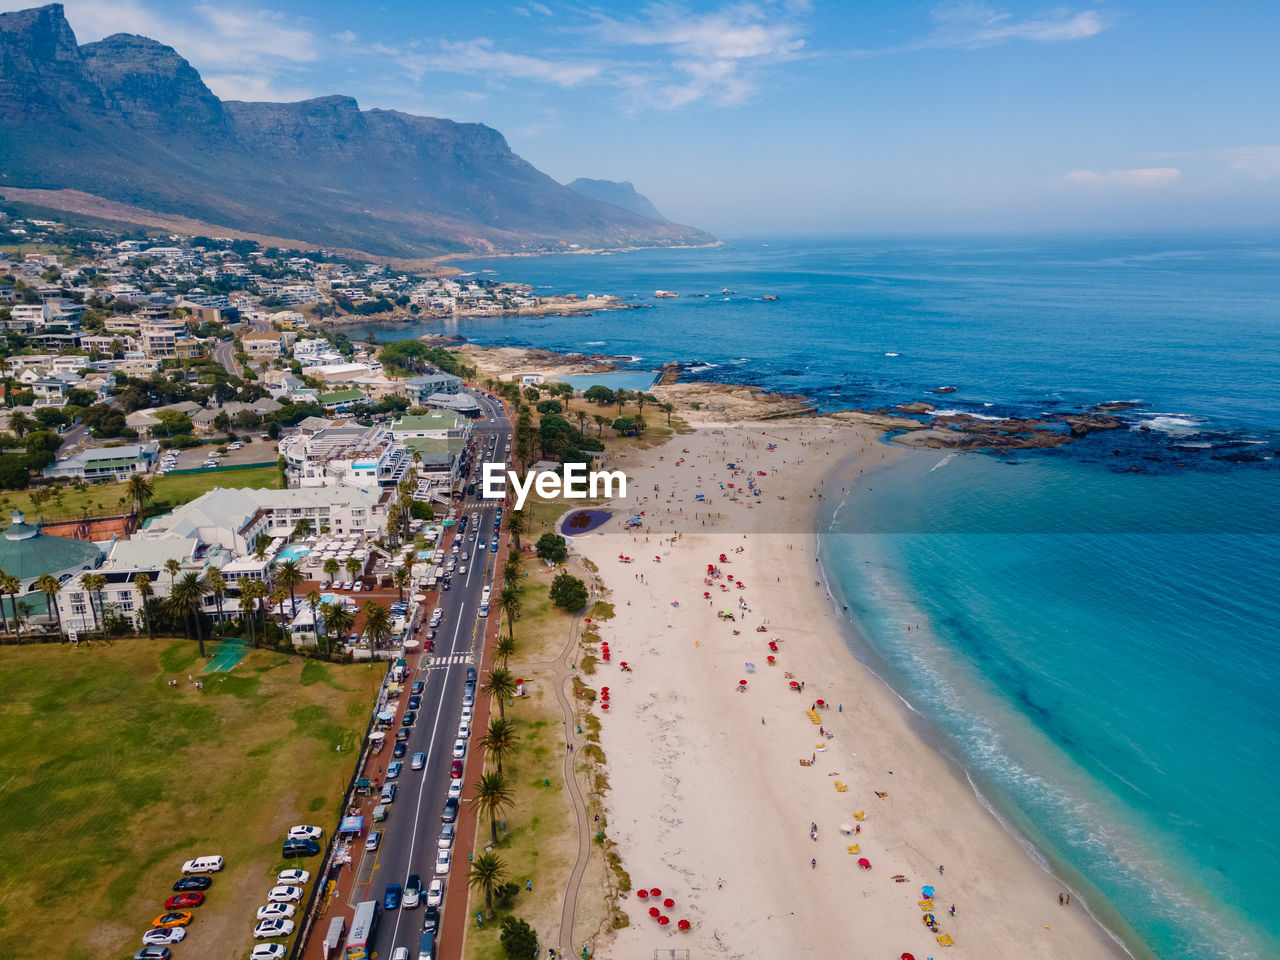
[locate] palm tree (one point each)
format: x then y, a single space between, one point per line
377 622
93 583
217 586
138 489
255 590
4 615
493 797
48 585
500 685
509 602
246 611
488 873
313 601
354 567
402 577
600 422
505 649
511 568
289 576
337 619
19 423
11 585
582 417
667 408
515 522
188 597
142 583
500 741
171 567
302 529
330 568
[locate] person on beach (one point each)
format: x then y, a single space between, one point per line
1059 899
813 864
939 869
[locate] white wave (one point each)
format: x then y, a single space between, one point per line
943 462
1174 422
702 367
967 413
594 343
892 354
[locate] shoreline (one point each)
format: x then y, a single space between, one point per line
674 844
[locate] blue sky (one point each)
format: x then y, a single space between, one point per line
803 115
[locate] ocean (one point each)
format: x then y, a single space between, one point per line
1095 629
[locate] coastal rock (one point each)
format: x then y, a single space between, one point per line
880 420
942 390
919 406
1085 423
728 402
670 374
1114 406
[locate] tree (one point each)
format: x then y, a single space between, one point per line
20 423
171 567
493 798
10 585
377 622
598 393
667 408
3 614
500 686
582 417
290 576
313 601
499 741
217 586
138 489
532 393
255 590
402 577
142 583
48 584
93 584
568 592
519 942
516 525
188 597
302 529
552 547
353 567
504 649
260 544
337 620
509 602
488 872
330 568
600 422
549 406
246 612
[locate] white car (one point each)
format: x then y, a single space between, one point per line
305 833
284 894
443 859
269 951
455 787
435 893
459 749
164 937
357 586
446 836
294 878
464 731
347 584
400 953
419 760
272 928
466 714
276 911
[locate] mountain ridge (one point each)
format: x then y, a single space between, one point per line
129 120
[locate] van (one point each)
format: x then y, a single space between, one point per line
426 946
202 865
379 813
299 848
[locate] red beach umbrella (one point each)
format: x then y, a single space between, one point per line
642 894
604 689
684 925
822 703
668 903
604 706
655 892
908 956
742 683
864 863
772 659
586 619
795 684
663 921
654 911
773 645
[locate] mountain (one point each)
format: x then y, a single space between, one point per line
129 120
619 193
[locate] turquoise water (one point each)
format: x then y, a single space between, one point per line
1098 643
294 551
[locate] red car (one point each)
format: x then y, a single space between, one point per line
455 770
184 900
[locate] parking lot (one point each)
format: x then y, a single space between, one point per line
254 451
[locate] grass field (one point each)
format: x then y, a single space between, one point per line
170 491
110 779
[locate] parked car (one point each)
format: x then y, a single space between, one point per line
412 891
389 793
181 901
272 928
284 894
372 841
419 761
400 750
459 749
193 883
305 833
400 953
450 813
467 714
418 687
393 769
402 733
435 893
447 833
203 865
294 877
163 936
409 719
391 896
276 911
464 730
293 849
153 953
443 860
269 951
455 788
455 768
414 702
175 918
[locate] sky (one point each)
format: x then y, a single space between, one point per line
802 116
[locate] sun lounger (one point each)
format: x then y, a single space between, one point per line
855 849
944 940
860 815
926 904
841 786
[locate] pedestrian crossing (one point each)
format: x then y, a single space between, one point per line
450 659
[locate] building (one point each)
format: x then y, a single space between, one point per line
106 463
168 341
438 424
463 403
338 372
341 401
353 455
263 346
28 554
418 389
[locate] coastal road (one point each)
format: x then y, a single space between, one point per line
412 827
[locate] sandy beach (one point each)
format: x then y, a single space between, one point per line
710 801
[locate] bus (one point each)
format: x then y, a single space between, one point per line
364 926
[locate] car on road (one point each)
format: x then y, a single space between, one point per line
455 788
193 883
459 749
444 858
450 813
269 951
464 731
415 702
472 538
272 928
394 768
400 953
412 891
418 687
391 896
402 733
419 761
388 793
409 719
465 556
372 841
153 953
304 832
284 894
480 546
162 936
276 911
400 750
295 877
175 918
435 893
180 901
447 833
469 697
462 570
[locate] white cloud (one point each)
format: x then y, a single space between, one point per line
1142 178
968 25
542 9
1262 162
346 36
480 57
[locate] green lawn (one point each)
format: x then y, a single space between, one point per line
110 779
170 490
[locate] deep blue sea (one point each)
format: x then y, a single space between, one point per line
1096 629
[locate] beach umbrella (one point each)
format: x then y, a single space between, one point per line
772 660
663 921
604 706
742 683
707 594
684 925
822 703
846 827
795 685
655 892
864 863
642 894
908 956
926 892
928 919
668 903
604 689
654 911
773 645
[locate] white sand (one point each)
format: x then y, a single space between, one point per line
701 790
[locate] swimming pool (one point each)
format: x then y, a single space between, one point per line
295 551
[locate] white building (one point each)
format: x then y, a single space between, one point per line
368 457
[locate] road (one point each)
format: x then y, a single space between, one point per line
225 351
412 827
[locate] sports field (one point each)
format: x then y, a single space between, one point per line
110 778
